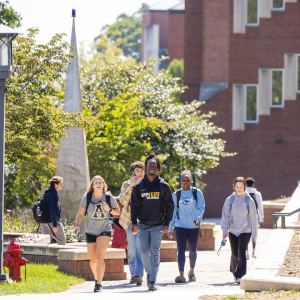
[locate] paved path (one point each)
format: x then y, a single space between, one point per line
212 273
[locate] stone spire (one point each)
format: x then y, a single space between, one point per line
72 160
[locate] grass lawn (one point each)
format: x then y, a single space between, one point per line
40 279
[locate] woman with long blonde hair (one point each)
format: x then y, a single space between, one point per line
97 204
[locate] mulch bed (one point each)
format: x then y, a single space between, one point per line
291 264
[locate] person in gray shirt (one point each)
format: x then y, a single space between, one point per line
97 204
239 221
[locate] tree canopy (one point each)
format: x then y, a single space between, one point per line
8 16
134 113
34 119
125 33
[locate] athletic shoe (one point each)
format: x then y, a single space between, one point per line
132 280
238 280
254 256
96 281
192 277
180 279
138 280
148 280
98 288
152 286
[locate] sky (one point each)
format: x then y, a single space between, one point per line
54 16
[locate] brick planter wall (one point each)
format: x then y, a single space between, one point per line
206 243
269 210
114 269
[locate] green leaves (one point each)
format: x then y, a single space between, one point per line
135 112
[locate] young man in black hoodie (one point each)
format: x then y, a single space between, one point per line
52 224
152 204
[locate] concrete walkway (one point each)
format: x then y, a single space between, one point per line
212 273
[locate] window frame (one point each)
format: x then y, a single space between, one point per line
297 75
257 103
278 9
271 86
258 19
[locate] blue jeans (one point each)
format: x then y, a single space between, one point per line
150 238
134 252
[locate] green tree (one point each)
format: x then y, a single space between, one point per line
176 69
8 16
34 119
178 132
126 33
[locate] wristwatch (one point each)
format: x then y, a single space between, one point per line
110 210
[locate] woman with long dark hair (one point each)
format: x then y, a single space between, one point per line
97 204
239 221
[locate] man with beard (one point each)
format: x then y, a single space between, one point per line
152 205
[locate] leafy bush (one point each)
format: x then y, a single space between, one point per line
53 281
69 228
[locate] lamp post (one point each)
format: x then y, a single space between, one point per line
6 67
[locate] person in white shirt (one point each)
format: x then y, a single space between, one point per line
256 196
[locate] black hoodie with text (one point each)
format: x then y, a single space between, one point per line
152 202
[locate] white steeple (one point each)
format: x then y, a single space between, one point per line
73 100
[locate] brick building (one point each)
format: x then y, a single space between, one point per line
242 58
163 32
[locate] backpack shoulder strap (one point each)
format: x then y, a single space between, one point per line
107 198
178 195
254 199
88 201
195 193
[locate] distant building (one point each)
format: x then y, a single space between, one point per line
242 59
163 32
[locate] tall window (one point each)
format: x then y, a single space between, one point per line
277 80
298 73
252 16
278 4
251 91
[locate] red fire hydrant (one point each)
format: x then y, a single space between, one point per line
14 262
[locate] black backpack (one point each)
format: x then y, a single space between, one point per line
89 200
178 194
40 209
254 198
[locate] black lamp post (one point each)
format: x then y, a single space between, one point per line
6 67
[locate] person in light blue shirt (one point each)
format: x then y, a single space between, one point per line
187 218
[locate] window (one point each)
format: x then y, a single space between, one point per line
251 106
252 14
277 92
298 73
278 4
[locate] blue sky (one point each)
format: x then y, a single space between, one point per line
54 16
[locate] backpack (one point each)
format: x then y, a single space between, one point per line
178 195
89 200
40 209
254 198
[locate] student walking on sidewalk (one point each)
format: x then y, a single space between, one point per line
257 198
189 208
97 204
152 204
239 220
52 224
134 248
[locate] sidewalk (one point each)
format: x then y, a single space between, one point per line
212 273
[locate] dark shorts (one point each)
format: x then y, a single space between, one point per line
91 239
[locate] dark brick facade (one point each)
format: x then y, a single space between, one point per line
214 53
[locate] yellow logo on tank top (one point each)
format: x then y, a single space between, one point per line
98 213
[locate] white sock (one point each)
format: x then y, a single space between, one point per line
253 251
247 254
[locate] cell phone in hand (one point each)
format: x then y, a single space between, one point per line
133 174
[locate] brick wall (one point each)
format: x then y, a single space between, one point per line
161 18
275 166
176 36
